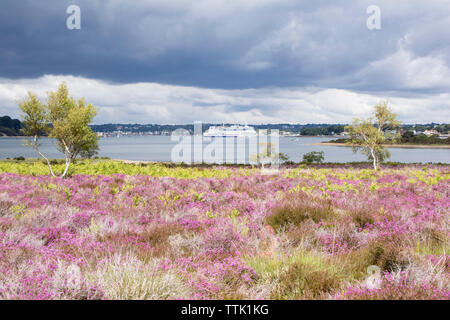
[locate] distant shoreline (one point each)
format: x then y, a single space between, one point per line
136 161
406 146
14 137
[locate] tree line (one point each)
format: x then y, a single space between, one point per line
11 127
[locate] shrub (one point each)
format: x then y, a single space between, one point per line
302 281
158 237
69 283
396 286
362 217
303 275
313 157
222 239
387 255
296 211
5 207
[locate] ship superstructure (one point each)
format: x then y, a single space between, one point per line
230 131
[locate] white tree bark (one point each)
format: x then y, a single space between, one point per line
44 157
375 162
68 156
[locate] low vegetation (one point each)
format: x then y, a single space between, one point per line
128 231
313 157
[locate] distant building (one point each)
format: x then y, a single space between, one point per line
430 132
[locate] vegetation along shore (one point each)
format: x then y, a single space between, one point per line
418 146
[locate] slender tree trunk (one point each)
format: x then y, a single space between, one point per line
68 159
44 157
67 154
375 163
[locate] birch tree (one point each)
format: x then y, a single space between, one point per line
371 135
266 155
63 119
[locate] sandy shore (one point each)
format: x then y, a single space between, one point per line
406 146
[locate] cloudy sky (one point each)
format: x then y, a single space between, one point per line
243 61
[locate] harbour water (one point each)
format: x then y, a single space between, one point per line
160 148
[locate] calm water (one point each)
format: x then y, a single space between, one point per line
159 148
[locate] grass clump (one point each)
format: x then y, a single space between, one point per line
304 275
387 255
295 212
362 218
128 278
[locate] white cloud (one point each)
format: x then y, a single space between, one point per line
157 103
403 70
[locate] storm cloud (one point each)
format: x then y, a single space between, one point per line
242 60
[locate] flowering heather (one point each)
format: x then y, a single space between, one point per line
114 231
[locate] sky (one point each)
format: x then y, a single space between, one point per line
235 61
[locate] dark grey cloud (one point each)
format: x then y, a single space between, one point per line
232 44
253 61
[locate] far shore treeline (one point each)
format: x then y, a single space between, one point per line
12 127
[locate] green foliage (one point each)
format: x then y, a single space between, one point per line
35 116
70 120
322 131
314 157
370 135
109 167
283 157
408 137
63 119
306 280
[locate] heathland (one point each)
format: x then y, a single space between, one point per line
151 231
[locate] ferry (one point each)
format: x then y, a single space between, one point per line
231 131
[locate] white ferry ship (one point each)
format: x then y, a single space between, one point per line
231 131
